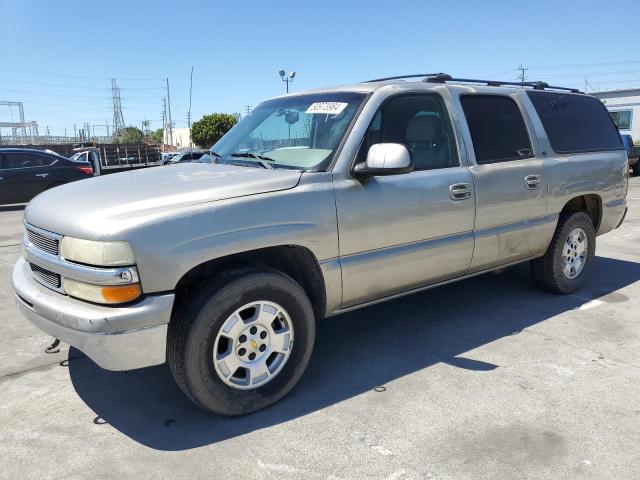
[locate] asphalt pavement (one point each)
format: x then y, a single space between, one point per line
484 378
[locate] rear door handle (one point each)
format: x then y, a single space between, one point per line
43 175
531 182
460 191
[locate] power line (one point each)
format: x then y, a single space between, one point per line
50 94
583 65
78 76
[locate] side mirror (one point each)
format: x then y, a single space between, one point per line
385 159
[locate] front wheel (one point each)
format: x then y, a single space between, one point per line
242 342
569 257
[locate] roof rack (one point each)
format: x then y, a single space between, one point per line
400 77
443 77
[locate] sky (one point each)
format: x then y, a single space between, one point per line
58 57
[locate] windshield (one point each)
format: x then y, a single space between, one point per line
300 132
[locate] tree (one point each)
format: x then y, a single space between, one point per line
210 128
131 135
156 136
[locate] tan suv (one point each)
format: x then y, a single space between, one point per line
318 203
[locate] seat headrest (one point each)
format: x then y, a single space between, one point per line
425 128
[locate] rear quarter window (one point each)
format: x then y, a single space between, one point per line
575 123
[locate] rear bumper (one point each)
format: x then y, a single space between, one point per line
116 338
613 214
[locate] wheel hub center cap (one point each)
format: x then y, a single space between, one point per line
252 343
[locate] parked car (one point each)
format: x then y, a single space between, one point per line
24 173
167 155
633 153
185 157
319 203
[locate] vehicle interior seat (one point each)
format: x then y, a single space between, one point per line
428 142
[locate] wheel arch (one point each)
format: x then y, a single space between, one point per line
296 261
590 203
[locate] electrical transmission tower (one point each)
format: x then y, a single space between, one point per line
19 129
247 110
118 119
522 75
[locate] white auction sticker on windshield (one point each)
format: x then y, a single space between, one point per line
327 108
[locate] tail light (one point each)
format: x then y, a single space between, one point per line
86 170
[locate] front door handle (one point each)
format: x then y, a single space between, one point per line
43 175
531 182
460 191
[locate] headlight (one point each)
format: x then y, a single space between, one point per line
101 293
103 254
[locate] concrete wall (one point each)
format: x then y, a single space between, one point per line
181 138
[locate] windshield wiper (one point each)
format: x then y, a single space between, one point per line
258 158
251 155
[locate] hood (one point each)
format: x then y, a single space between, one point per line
99 207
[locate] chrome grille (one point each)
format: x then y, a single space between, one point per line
47 244
46 277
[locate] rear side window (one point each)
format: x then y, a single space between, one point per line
497 128
575 123
26 160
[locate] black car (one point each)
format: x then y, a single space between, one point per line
25 172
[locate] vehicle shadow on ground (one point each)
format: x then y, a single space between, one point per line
355 353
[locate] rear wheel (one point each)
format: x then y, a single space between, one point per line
242 342
569 257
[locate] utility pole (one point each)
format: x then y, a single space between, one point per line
170 123
75 132
164 121
189 114
522 75
247 110
587 84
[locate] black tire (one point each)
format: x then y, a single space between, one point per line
636 169
198 319
547 270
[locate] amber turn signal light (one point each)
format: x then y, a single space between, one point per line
121 294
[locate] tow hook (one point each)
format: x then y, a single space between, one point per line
53 348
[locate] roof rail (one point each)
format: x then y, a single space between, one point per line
537 85
444 77
400 77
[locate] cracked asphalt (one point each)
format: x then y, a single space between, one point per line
485 378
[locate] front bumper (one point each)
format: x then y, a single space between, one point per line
116 338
